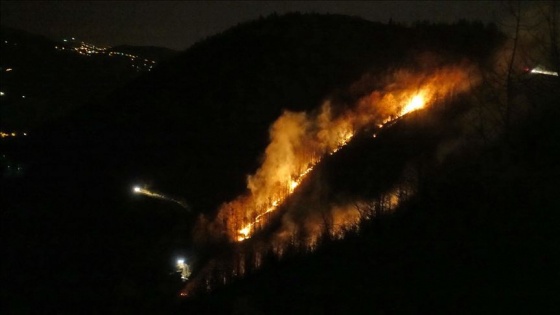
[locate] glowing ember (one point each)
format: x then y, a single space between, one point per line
293 185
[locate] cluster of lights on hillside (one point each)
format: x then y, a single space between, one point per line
87 49
12 134
84 49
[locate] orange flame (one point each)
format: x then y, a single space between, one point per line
417 102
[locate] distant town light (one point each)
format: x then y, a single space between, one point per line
2 94
9 69
23 96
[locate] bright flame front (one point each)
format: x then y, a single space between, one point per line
417 102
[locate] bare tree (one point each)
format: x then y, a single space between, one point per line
548 35
532 30
327 222
515 11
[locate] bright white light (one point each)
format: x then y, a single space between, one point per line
183 269
415 103
2 94
545 72
136 189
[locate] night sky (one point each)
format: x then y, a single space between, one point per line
178 25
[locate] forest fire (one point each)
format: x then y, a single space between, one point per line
298 142
341 134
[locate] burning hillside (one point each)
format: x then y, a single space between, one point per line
298 142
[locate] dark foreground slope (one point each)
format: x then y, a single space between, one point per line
77 241
480 235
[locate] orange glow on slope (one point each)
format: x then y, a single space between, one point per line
245 232
275 190
298 141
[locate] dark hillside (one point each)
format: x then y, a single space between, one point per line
480 235
193 127
205 114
